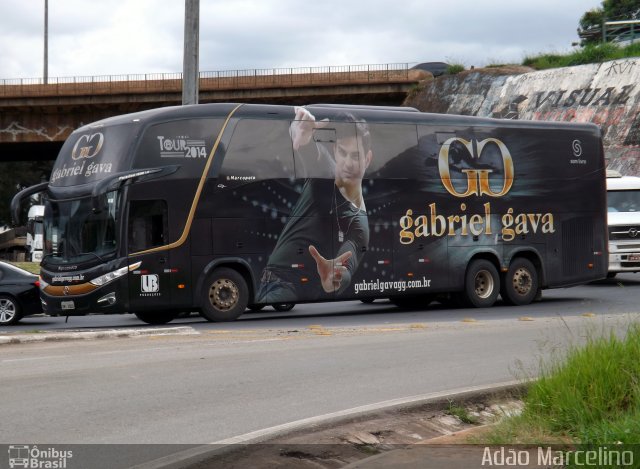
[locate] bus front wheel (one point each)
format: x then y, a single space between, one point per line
481 284
225 295
520 285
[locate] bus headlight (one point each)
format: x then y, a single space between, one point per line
111 276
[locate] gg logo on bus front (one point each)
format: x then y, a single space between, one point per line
477 179
87 146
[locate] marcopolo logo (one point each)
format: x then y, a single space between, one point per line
32 457
88 146
477 179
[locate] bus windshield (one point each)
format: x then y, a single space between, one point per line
74 233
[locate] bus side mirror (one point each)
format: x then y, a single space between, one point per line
16 202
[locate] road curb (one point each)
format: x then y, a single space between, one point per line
204 452
94 334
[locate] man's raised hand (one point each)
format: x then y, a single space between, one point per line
330 271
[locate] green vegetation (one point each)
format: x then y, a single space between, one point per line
16 175
33 267
592 396
454 69
611 10
589 54
461 413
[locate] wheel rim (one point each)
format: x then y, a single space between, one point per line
484 284
224 294
7 311
522 281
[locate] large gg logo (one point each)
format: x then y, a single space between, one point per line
87 146
477 179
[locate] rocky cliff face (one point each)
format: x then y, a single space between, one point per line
606 94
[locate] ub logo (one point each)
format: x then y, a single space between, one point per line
150 283
477 179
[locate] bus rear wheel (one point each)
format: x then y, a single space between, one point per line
225 295
156 317
520 284
481 284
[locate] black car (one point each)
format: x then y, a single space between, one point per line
19 294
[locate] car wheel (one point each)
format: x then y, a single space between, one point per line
520 283
481 285
225 295
283 307
156 317
10 311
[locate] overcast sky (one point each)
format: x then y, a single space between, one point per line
112 37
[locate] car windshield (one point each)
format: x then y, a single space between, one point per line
623 201
75 233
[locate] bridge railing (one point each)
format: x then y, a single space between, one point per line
217 80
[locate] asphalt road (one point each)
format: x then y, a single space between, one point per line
270 369
618 295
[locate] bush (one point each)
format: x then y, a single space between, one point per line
454 69
594 394
593 53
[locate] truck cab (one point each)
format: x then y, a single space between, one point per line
35 233
623 219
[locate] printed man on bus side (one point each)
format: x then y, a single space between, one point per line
327 231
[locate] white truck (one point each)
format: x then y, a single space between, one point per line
623 203
35 233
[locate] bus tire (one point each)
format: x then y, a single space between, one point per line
481 284
520 283
225 295
156 317
283 307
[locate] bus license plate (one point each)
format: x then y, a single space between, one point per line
68 305
633 257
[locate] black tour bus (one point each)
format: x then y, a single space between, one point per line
224 207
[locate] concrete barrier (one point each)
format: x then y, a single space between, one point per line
607 94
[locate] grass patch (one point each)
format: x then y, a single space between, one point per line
454 69
461 413
590 396
594 53
33 267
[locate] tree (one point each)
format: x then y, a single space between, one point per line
590 30
16 175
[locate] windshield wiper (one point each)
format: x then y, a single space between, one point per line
91 253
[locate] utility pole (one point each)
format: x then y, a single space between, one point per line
190 69
45 74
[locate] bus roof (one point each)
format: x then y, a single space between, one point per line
321 111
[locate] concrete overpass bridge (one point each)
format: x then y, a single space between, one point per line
36 118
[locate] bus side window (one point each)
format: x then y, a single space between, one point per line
259 149
148 224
